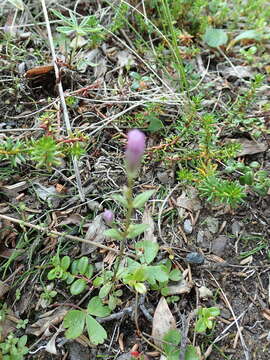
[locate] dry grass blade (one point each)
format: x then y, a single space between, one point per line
62 99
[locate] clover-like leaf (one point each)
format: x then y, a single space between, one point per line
140 288
95 307
96 332
74 321
191 353
171 341
149 248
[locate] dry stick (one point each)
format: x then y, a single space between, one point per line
161 210
62 99
246 351
57 233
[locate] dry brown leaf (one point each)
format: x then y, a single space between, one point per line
188 201
266 314
95 233
53 317
8 324
73 219
249 147
149 232
163 321
4 288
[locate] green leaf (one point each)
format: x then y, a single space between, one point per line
140 274
171 340
112 302
150 250
62 17
114 234
96 307
213 311
69 278
215 37
175 275
98 281
165 291
172 336
22 341
74 267
141 199
78 287
140 288
65 262
191 353
120 199
89 271
132 264
104 291
67 30
248 35
155 124
200 326
159 272
82 265
74 320
96 332
135 230
52 274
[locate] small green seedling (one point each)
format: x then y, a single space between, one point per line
88 27
80 270
205 318
171 347
14 348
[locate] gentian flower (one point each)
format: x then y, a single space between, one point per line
108 216
135 149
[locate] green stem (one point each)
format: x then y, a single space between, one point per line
129 198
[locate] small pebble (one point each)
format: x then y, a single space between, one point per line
195 258
188 226
219 244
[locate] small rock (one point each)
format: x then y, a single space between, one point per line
188 226
237 72
202 239
212 224
204 292
236 228
195 258
78 351
225 313
181 287
165 177
219 244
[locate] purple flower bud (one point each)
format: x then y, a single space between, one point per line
135 149
108 217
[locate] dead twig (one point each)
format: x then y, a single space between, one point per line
62 99
59 234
